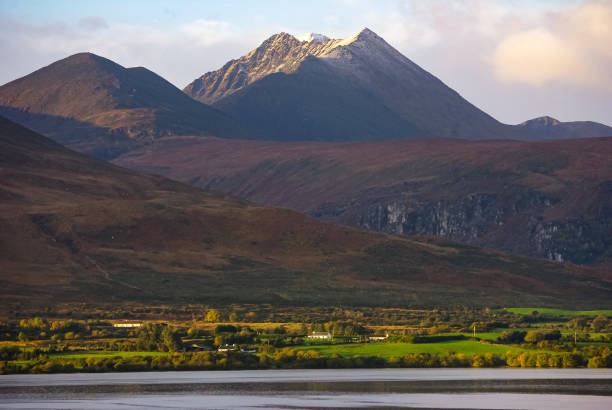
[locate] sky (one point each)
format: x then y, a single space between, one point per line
515 59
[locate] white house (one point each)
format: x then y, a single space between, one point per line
378 338
320 335
226 348
127 324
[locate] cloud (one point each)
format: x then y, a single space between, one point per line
180 54
591 25
92 23
571 47
208 32
513 59
538 56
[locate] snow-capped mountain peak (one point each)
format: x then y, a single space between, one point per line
285 53
319 38
364 34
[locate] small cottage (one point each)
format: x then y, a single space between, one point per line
226 348
378 338
320 335
127 324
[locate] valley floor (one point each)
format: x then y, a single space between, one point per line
372 338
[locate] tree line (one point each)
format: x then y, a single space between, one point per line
288 358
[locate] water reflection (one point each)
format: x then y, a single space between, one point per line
436 388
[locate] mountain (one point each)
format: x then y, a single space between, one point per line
73 228
315 88
546 128
359 88
96 106
288 89
550 199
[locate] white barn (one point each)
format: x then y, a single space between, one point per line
320 335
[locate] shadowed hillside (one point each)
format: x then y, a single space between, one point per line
545 199
75 228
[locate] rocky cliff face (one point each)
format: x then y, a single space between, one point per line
513 223
548 199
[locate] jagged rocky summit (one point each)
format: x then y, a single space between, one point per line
358 88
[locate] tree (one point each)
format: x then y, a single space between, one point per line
213 316
153 337
577 323
225 329
36 322
170 340
149 337
251 317
600 323
511 336
534 336
570 360
596 362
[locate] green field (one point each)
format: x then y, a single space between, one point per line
560 312
492 336
386 350
102 354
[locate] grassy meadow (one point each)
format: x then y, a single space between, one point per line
388 350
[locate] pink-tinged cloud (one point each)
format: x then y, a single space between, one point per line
538 56
570 48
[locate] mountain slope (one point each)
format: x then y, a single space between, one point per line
416 102
312 104
74 228
291 88
548 199
547 128
96 106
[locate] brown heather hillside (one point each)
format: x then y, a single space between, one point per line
544 199
74 228
98 107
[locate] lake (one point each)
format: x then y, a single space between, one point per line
557 389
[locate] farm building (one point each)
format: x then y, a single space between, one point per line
320 335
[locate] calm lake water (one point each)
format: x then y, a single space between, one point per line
557 389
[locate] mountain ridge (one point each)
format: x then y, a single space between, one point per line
421 104
416 101
355 89
546 128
